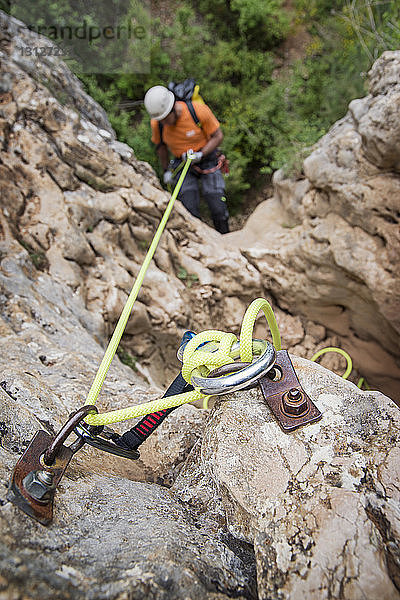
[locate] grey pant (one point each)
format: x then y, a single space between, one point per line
213 191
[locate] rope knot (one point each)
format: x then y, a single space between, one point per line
216 346
215 352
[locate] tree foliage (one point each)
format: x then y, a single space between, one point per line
271 111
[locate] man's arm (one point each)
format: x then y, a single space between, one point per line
214 141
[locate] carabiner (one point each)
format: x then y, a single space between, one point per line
100 440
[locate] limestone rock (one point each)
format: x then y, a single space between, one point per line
383 75
50 71
111 537
114 538
328 243
165 452
321 504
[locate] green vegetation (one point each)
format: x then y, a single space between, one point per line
188 278
272 110
126 358
37 257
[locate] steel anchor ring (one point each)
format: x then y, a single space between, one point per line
215 386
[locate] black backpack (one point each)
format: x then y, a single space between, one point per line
186 91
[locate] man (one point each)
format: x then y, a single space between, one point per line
179 133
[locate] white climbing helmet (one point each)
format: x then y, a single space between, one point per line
159 102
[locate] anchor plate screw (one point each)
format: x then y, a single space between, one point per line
294 403
39 485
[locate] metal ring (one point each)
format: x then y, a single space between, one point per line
237 381
74 419
228 369
234 368
83 431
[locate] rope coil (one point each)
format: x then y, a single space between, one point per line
201 361
349 366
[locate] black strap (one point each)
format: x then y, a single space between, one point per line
195 118
193 114
131 439
160 129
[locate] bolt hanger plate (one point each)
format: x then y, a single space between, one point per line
30 461
277 396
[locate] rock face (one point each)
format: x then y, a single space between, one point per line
49 71
86 209
320 505
221 504
330 241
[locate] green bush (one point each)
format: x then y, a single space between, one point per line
270 116
262 23
259 24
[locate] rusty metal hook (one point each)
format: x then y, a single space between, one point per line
74 419
41 467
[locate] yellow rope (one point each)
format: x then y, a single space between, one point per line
246 332
120 327
197 361
338 351
362 382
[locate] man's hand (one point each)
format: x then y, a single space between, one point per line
196 156
168 177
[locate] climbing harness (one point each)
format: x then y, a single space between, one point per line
213 363
222 165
